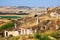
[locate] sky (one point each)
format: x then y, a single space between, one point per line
31 3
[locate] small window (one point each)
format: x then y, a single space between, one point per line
7 34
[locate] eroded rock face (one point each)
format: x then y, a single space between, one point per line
32 22
29 23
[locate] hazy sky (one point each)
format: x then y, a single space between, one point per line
31 3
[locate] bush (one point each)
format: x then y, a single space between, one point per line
36 35
56 35
41 37
6 26
13 38
45 37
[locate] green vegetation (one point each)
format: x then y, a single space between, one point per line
41 37
10 38
36 35
6 26
9 17
56 35
45 36
13 38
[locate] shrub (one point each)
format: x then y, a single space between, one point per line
36 35
6 26
13 38
41 37
56 35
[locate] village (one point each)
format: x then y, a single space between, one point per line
30 23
